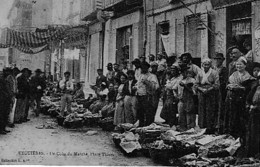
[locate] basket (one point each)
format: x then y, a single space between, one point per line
91 121
148 137
44 110
116 141
53 113
60 120
161 156
107 125
73 124
145 150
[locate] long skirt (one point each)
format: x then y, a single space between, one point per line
119 116
253 134
235 113
20 110
4 112
207 110
12 108
130 106
169 111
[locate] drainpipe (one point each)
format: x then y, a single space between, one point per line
144 27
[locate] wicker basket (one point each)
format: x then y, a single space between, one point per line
91 121
107 125
161 156
116 141
60 120
73 124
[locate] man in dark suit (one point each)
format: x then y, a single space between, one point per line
100 78
117 73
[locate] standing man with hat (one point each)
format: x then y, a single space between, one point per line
137 64
67 88
38 85
146 86
151 59
186 61
110 73
117 73
223 79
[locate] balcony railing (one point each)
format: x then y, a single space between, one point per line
110 3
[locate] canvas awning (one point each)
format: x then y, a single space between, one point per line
35 42
226 3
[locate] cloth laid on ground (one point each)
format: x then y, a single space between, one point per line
129 141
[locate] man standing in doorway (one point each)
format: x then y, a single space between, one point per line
235 55
67 88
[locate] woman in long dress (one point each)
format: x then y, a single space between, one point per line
207 86
235 112
119 116
170 107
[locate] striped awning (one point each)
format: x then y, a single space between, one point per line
35 42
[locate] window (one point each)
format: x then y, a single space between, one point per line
123 37
239 27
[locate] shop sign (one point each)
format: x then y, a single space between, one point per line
241 28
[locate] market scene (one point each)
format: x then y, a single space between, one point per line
130 82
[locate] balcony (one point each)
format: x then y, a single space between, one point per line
111 3
121 5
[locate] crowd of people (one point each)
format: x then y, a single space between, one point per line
19 90
222 99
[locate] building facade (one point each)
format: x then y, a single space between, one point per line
202 27
27 15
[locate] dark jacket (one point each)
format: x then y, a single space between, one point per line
100 79
35 82
117 77
23 87
126 88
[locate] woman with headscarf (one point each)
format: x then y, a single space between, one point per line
235 108
170 108
207 86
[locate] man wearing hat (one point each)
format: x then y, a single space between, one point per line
117 73
124 67
146 86
223 79
151 58
142 58
137 64
100 78
110 73
38 85
67 88
186 60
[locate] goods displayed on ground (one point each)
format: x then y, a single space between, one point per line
170 147
79 117
160 142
